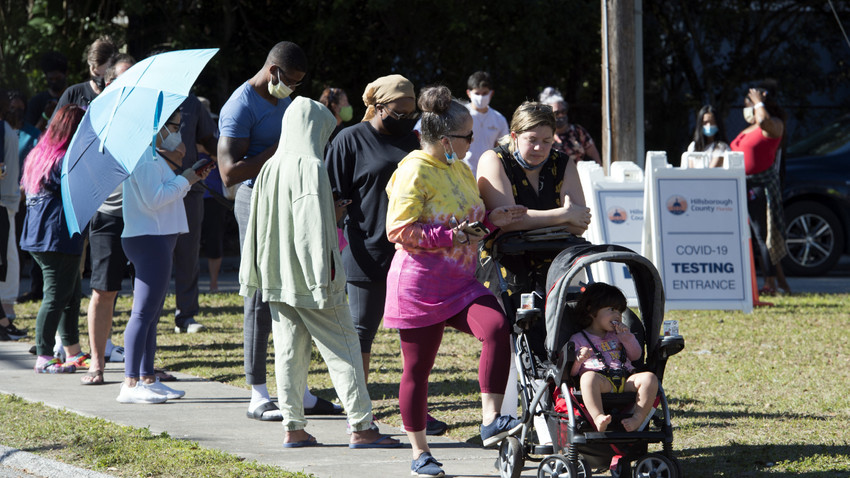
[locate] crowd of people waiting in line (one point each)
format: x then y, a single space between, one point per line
414 187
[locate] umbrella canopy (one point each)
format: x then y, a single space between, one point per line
119 125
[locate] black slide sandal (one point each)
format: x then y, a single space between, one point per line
266 407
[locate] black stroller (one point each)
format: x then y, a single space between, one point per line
545 356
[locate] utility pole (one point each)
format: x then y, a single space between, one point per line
619 87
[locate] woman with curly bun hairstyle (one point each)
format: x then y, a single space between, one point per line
435 219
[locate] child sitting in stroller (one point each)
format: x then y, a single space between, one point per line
606 348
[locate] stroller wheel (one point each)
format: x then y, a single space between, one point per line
556 466
510 460
655 465
583 470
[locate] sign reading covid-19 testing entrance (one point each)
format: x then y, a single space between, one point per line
696 233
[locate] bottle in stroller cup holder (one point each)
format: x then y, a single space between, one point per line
547 391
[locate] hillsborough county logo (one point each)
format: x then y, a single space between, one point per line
617 215
677 205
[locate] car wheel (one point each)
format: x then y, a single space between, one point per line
815 239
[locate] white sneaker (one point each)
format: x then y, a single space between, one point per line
59 350
139 394
165 390
188 326
116 355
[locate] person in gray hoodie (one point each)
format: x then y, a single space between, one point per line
291 256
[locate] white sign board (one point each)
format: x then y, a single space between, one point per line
697 235
616 203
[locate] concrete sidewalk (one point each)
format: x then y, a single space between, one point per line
213 414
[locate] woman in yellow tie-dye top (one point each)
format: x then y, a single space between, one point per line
433 198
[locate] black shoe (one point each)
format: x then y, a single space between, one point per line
12 332
33 350
4 337
29 297
323 407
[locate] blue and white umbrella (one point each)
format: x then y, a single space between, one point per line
119 125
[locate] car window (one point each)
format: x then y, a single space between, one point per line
834 138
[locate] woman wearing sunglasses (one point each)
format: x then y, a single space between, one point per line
433 205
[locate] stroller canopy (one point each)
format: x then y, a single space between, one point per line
560 298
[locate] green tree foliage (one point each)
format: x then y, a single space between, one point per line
30 28
694 52
524 45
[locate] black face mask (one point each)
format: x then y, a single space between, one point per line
99 81
398 127
56 85
561 122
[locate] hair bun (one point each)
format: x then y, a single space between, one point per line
435 99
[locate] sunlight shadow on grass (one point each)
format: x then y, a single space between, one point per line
756 460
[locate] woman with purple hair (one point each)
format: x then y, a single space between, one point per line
45 236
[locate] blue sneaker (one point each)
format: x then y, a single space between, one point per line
501 427
426 466
434 426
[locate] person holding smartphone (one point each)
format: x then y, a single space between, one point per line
153 218
433 199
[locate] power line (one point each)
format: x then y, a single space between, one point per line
839 22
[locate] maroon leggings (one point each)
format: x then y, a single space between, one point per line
484 319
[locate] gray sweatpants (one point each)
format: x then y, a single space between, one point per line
258 320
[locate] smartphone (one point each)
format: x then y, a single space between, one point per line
203 166
478 228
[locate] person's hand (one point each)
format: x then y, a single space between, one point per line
341 208
756 95
621 328
192 176
203 173
584 354
505 215
462 236
578 216
2 170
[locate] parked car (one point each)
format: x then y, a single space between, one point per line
816 197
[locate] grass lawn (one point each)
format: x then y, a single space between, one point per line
764 394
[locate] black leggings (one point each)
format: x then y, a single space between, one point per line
757 208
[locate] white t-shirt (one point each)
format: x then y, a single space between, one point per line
487 128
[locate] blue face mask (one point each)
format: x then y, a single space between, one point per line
518 158
450 158
709 130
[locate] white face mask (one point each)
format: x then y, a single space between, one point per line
279 91
170 142
480 101
749 116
